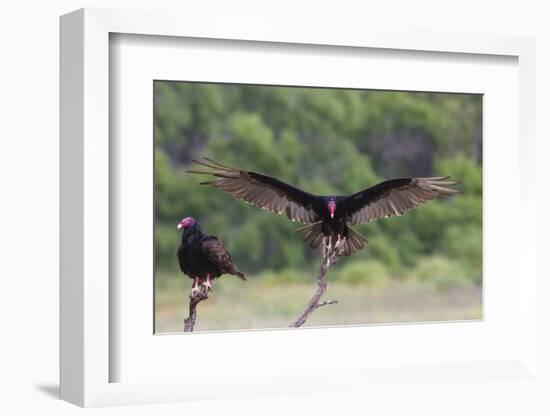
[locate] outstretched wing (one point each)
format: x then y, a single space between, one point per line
214 249
395 197
262 191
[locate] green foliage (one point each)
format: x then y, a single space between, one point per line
370 273
385 252
441 272
255 141
466 169
465 244
326 141
276 277
166 247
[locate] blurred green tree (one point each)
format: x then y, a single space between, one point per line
326 141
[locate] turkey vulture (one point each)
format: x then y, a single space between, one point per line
328 218
203 257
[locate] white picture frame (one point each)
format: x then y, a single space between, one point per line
87 353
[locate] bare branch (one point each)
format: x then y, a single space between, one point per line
194 300
314 302
326 302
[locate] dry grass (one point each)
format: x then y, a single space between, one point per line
256 304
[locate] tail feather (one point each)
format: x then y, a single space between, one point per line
354 242
239 275
313 235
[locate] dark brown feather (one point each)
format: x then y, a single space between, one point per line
214 249
396 197
313 235
261 190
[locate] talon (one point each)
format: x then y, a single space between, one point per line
338 247
195 287
207 283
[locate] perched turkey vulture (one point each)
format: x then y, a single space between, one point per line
328 218
203 257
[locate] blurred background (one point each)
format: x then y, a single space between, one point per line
423 266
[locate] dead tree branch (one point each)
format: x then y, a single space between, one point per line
314 302
194 300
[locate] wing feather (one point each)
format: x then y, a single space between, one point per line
395 197
261 190
216 252
214 249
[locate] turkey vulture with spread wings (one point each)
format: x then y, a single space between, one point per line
328 218
203 257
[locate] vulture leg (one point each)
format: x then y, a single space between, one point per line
207 284
327 246
340 243
195 288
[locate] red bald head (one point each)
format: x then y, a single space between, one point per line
186 223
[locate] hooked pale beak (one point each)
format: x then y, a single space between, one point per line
331 214
180 226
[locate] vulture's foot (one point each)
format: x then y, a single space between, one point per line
207 284
328 246
195 289
339 246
